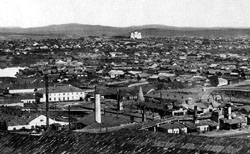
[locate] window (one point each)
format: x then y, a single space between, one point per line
54 99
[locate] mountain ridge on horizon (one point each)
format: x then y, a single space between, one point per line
168 26
145 25
150 30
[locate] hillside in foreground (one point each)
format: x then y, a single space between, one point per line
123 141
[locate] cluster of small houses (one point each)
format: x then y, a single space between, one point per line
184 60
154 66
193 119
60 93
170 54
188 117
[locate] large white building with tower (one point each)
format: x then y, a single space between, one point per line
136 35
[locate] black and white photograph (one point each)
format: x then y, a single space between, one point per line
124 76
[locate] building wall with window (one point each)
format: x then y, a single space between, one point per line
175 128
203 128
38 121
64 96
65 93
28 100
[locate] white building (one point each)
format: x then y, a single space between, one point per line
136 35
21 91
39 121
222 82
116 54
64 93
175 128
28 98
115 73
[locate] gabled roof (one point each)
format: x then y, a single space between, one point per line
172 125
41 120
63 89
233 121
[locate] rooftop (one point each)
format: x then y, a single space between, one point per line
65 88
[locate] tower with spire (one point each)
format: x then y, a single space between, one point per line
140 96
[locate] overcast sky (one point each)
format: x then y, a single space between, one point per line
188 13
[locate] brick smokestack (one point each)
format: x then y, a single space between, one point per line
120 106
229 112
98 108
141 102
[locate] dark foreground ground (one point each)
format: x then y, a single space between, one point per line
123 141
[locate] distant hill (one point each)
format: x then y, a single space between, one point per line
80 30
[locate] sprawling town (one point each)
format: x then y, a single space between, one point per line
101 85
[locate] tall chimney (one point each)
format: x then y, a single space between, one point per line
229 112
141 102
120 106
97 108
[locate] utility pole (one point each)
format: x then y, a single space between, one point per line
117 102
47 99
161 98
36 100
118 99
154 106
162 105
94 102
69 118
230 96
